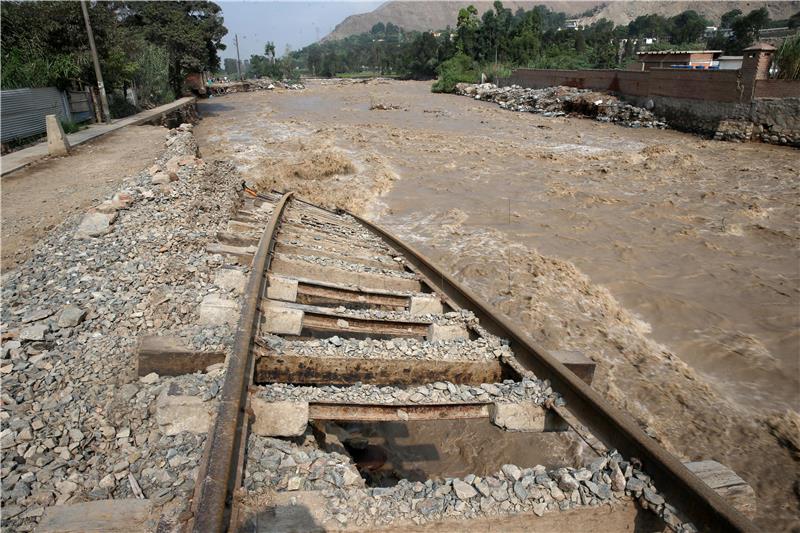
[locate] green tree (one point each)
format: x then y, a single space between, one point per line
269 51
649 26
230 67
745 29
466 27
727 19
191 32
686 27
422 56
794 20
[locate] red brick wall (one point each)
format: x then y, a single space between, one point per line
777 89
718 85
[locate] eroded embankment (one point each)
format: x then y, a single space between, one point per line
78 424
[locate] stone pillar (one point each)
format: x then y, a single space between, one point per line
755 66
57 143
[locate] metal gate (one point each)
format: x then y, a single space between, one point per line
80 106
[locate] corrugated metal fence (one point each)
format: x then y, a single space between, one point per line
23 111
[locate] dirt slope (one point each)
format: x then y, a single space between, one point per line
437 15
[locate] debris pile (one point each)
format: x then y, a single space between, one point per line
560 101
260 84
381 106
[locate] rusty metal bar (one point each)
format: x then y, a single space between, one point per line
704 507
218 469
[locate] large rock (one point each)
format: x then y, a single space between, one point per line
95 224
464 490
279 419
34 333
71 316
524 416
175 414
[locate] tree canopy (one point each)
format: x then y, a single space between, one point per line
45 43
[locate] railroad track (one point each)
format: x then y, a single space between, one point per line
347 334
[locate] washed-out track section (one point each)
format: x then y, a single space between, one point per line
358 364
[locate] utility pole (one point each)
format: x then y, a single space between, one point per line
100 86
238 61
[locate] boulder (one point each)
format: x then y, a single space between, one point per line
71 316
95 224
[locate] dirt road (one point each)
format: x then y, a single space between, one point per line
672 261
36 199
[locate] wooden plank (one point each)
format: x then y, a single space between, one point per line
289 267
169 356
317 324
103 516
397 413
299 249
273 368
311 246
727 484
313 294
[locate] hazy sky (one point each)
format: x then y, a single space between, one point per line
295 22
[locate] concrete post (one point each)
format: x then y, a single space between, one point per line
57 143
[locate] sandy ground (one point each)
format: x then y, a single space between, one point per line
670 260
37 198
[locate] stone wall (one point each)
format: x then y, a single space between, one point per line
718 85
714 103
777 89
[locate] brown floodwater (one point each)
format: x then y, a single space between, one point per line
670 260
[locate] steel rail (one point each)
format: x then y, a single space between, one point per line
707 510
218 469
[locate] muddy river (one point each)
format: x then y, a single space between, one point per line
670 260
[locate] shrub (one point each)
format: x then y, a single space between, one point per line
787 59
69 126
460 68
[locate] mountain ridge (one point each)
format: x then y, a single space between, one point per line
437 15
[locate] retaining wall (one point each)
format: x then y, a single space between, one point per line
710 102
719 85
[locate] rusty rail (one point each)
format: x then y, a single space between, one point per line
704 507
211 504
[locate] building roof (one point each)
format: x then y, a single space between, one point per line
760 46
669 52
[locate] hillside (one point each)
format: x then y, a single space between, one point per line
436 15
